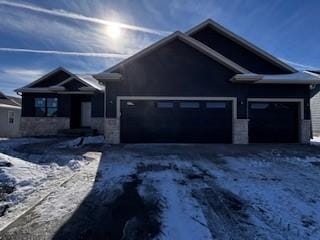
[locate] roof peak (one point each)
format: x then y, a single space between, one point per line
243 42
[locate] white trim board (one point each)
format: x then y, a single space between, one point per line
233 99
191 42
297 100
9 106
251 47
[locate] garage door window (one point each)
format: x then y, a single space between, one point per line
130 104
216 105
190 105
259 105
164 104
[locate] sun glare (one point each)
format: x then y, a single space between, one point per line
114 31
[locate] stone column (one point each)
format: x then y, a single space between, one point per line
305 131
112 130
240 131
98 124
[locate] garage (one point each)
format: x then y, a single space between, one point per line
171 121
273 122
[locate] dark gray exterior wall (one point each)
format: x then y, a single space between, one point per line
180 70
97 101
237 53
64 103
52 80
73 85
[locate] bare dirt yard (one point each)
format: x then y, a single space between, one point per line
176 191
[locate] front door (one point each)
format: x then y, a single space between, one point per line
85 114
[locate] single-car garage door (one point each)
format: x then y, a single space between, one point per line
149 121
273 122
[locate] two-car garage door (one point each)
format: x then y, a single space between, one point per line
176 121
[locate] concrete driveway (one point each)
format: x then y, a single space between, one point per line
184 192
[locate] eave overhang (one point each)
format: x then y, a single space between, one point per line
292 78
108 77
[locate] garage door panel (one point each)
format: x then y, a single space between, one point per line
273 122
175 122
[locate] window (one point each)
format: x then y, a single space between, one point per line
190 105
130 104
11 117
46 107
216 105
164 104
259 105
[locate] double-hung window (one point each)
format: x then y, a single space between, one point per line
46 107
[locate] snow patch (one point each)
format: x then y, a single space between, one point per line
82 141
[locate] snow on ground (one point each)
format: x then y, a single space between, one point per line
182 217
315 140
81 141
282 193
202 191
27 177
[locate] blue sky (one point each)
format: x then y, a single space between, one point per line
35 35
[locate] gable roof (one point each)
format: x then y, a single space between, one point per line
188 40
9 102
44 77
251 47
87 80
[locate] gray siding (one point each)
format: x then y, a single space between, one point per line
315 113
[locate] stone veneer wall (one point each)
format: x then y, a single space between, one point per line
112 130
240 131
43 126
98 124
305 131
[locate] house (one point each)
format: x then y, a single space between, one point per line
61 100
10 111
315 106
207 85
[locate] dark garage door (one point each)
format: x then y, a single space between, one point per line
272 122
145 121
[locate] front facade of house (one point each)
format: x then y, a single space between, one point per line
60 101
204 86
10 111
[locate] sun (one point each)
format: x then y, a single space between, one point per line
113 31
